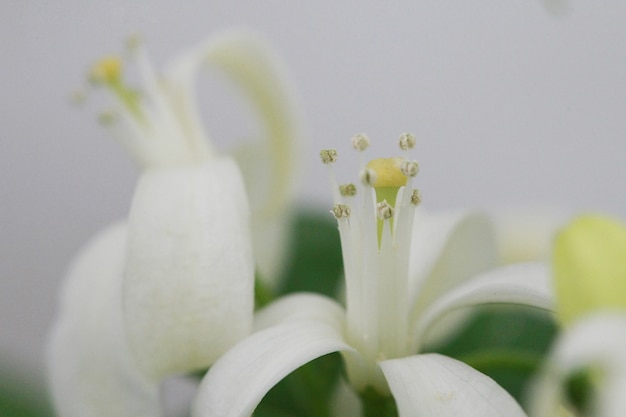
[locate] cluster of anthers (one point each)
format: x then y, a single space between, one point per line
388 177
375 228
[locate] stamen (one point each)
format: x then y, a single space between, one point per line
341 211
133 42
108 72
416 197
347 190
107 118
368 177
360 142
384 211
407 141
78 97
409 168
328 156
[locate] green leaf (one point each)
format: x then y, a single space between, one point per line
306 392
506 343
22 393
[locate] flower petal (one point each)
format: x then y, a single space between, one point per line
447 249
526 233
268 165
597 342
300 306
590 267
91 369
436 385
526 284
237 382
188 289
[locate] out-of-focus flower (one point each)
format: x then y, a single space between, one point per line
586 371
403 273
172 289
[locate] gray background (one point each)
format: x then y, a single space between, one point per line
511 105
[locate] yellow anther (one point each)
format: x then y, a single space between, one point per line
347 190
360 142
328 156
409 168
384 211
416 197
388 172
407 141
106 71
341 211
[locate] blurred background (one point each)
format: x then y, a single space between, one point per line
513 107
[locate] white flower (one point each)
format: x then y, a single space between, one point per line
589 270
593 348
403 273
172 289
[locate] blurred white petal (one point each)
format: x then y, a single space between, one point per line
447 249
435 385
300 306
188 289
597 342
526 284
91 369
268 164
237 382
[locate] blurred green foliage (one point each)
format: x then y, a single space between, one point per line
22 392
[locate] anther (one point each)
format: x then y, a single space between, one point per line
106 71
384 211
368 177
328 156
340 211
416 197
409 168
347 190
78 97
106 118
360 142
133 42
407 141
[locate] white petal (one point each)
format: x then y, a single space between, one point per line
447 249
435 385
237 382
188 289
300 306
92 373
526 284
269 164
597 341
526 233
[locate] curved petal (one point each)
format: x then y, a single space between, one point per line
526 233
91 370
526 284
237 382
597 342
447 249
436 385
268 165
188 288
300 306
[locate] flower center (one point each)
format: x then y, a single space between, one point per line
375 237
108 73
387 176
